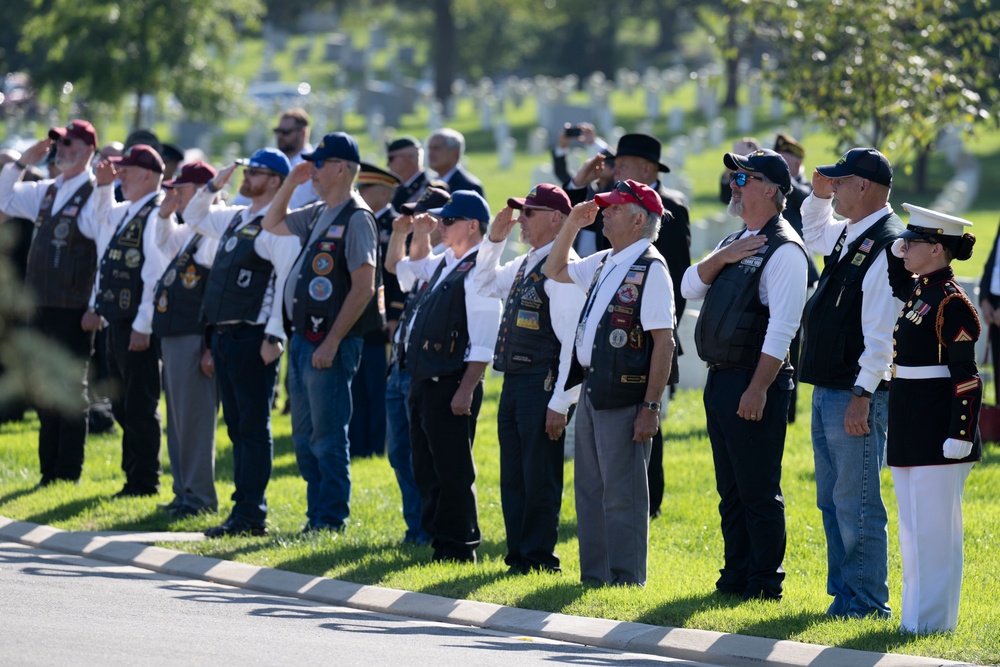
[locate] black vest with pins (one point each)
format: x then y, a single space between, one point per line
832 337
62 261
733 322
439 331
623 350
121 269
239 278
179 293
325 280
527 342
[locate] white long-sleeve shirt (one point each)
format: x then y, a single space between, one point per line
213 221
879 308
782 289
565 302
482 313
23 199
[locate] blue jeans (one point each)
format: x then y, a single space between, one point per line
321 411
848 493
397 405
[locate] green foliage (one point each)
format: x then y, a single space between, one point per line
110 48
888 73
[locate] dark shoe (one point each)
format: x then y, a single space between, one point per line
184 511
46 481
172 506
454 556
760 594
233 526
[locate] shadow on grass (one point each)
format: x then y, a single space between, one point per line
14 495
879 640
463 584
555 597
65 510
678 612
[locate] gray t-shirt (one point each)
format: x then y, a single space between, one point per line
360 239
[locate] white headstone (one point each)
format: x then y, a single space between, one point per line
698 137
777 108
376 125
675 122
506 153
652 100
744 120
501 132
680 144
716 132
538 141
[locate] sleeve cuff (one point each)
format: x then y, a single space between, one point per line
868 381
481 354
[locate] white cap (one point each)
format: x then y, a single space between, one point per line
925 222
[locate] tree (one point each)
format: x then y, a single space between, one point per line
889 73
107 48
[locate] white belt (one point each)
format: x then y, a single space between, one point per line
920 372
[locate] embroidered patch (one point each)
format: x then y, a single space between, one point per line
636 338
634 277
632 379
132 258
859 259
962 336
527 319
71 210
618 338
327 246
621 309
628 294
637 267
320 289
967 386
867 245
322 264
125 299
231 243
335 232
620 321
317 329
244 277
61 231
530 297
169 279
250 230
161 303
464 266
190 277
752 261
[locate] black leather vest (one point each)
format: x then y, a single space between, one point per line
526 342
62 261
733 321
179 293
239 277
832 337
439 333
325 280
620 358
121 269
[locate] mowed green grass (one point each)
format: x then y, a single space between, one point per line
685 548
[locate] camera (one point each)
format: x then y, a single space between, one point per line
573 132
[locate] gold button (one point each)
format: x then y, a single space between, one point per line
965 402
918 291
896 328
893 341
961 432
963 417
909 303
893 354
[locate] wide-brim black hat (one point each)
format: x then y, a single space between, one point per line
641 145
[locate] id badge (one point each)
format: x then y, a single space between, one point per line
579 332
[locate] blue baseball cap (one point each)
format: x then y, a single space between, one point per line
763 161
338 145
464 204
268 158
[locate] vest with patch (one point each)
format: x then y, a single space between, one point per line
239 278
62 262
121 269
527 342
179 293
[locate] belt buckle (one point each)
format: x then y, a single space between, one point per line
894 370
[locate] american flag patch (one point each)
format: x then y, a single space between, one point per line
635 277
962 336
464 266
967 386
867 245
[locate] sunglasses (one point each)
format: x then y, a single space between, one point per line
448 222
528 212
332 160
284 131
66 141
258 171
908 242
740 179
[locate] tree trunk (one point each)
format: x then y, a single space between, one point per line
666 15
137 119
444 48
920 167
732 63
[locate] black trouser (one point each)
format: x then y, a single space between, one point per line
443 467
654 473
62 435
747 458
995 352
135 398
531 473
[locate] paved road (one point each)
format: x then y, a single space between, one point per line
58 609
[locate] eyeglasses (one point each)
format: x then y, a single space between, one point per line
332 160
528 212
66 141
448 222
284 131
258 171
740 179
908 242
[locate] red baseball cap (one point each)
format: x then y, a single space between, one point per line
543 195
77 129
632 192
140 155
196 172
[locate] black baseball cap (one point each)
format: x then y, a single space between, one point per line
864 162
763 161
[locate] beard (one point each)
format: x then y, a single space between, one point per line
735 208
247 189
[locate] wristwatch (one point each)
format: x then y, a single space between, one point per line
652 405
272 339
860 391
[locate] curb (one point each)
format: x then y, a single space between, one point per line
677 643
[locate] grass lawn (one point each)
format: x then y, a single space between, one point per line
685 543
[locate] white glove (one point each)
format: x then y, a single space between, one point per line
897 248
956 449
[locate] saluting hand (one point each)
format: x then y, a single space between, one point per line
403 224
222 178
171 202
503 222
424 223
300 173
37 152
105 173
822 185
583 214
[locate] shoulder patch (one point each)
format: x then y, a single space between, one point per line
962 336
